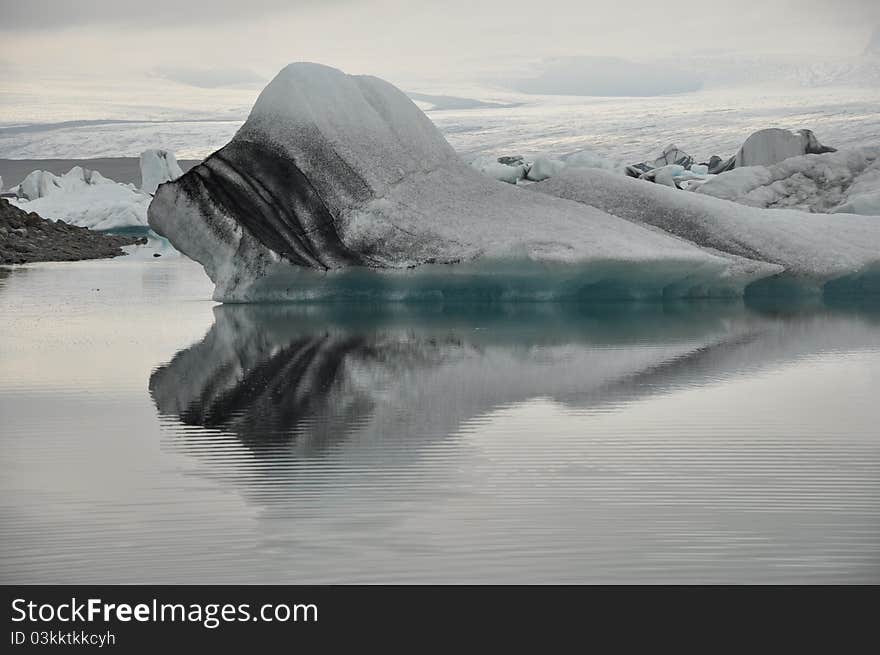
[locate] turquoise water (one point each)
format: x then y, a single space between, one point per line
149 435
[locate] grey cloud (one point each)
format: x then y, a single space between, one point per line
54 14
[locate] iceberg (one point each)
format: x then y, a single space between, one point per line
514 169
841 181
863 195
158 166
83 198
543 168
672 154
509 171
338 186
774 145
814 252
674 168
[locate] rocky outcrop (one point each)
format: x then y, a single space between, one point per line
25 237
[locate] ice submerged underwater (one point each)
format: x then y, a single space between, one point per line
339 187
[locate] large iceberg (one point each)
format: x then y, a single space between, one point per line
338 186
815 252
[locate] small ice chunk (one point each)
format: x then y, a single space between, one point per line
543 168
672 154
491 167
158 166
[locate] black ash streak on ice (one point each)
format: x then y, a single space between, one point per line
274 200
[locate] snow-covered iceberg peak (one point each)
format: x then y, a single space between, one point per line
39 184
339 186
158 166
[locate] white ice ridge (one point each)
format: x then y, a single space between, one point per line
88 199
812 249
84 198
158 166
517 170
338 186
845 181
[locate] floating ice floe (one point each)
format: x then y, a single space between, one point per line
86 198
338 186
814 252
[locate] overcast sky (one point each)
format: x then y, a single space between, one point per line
215 42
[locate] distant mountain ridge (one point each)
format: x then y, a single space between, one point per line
734 69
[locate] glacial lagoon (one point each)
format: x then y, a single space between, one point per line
148 434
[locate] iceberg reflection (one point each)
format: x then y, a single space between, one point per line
314 376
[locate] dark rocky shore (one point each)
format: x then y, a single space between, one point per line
28 238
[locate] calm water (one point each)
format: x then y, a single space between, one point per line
148 435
